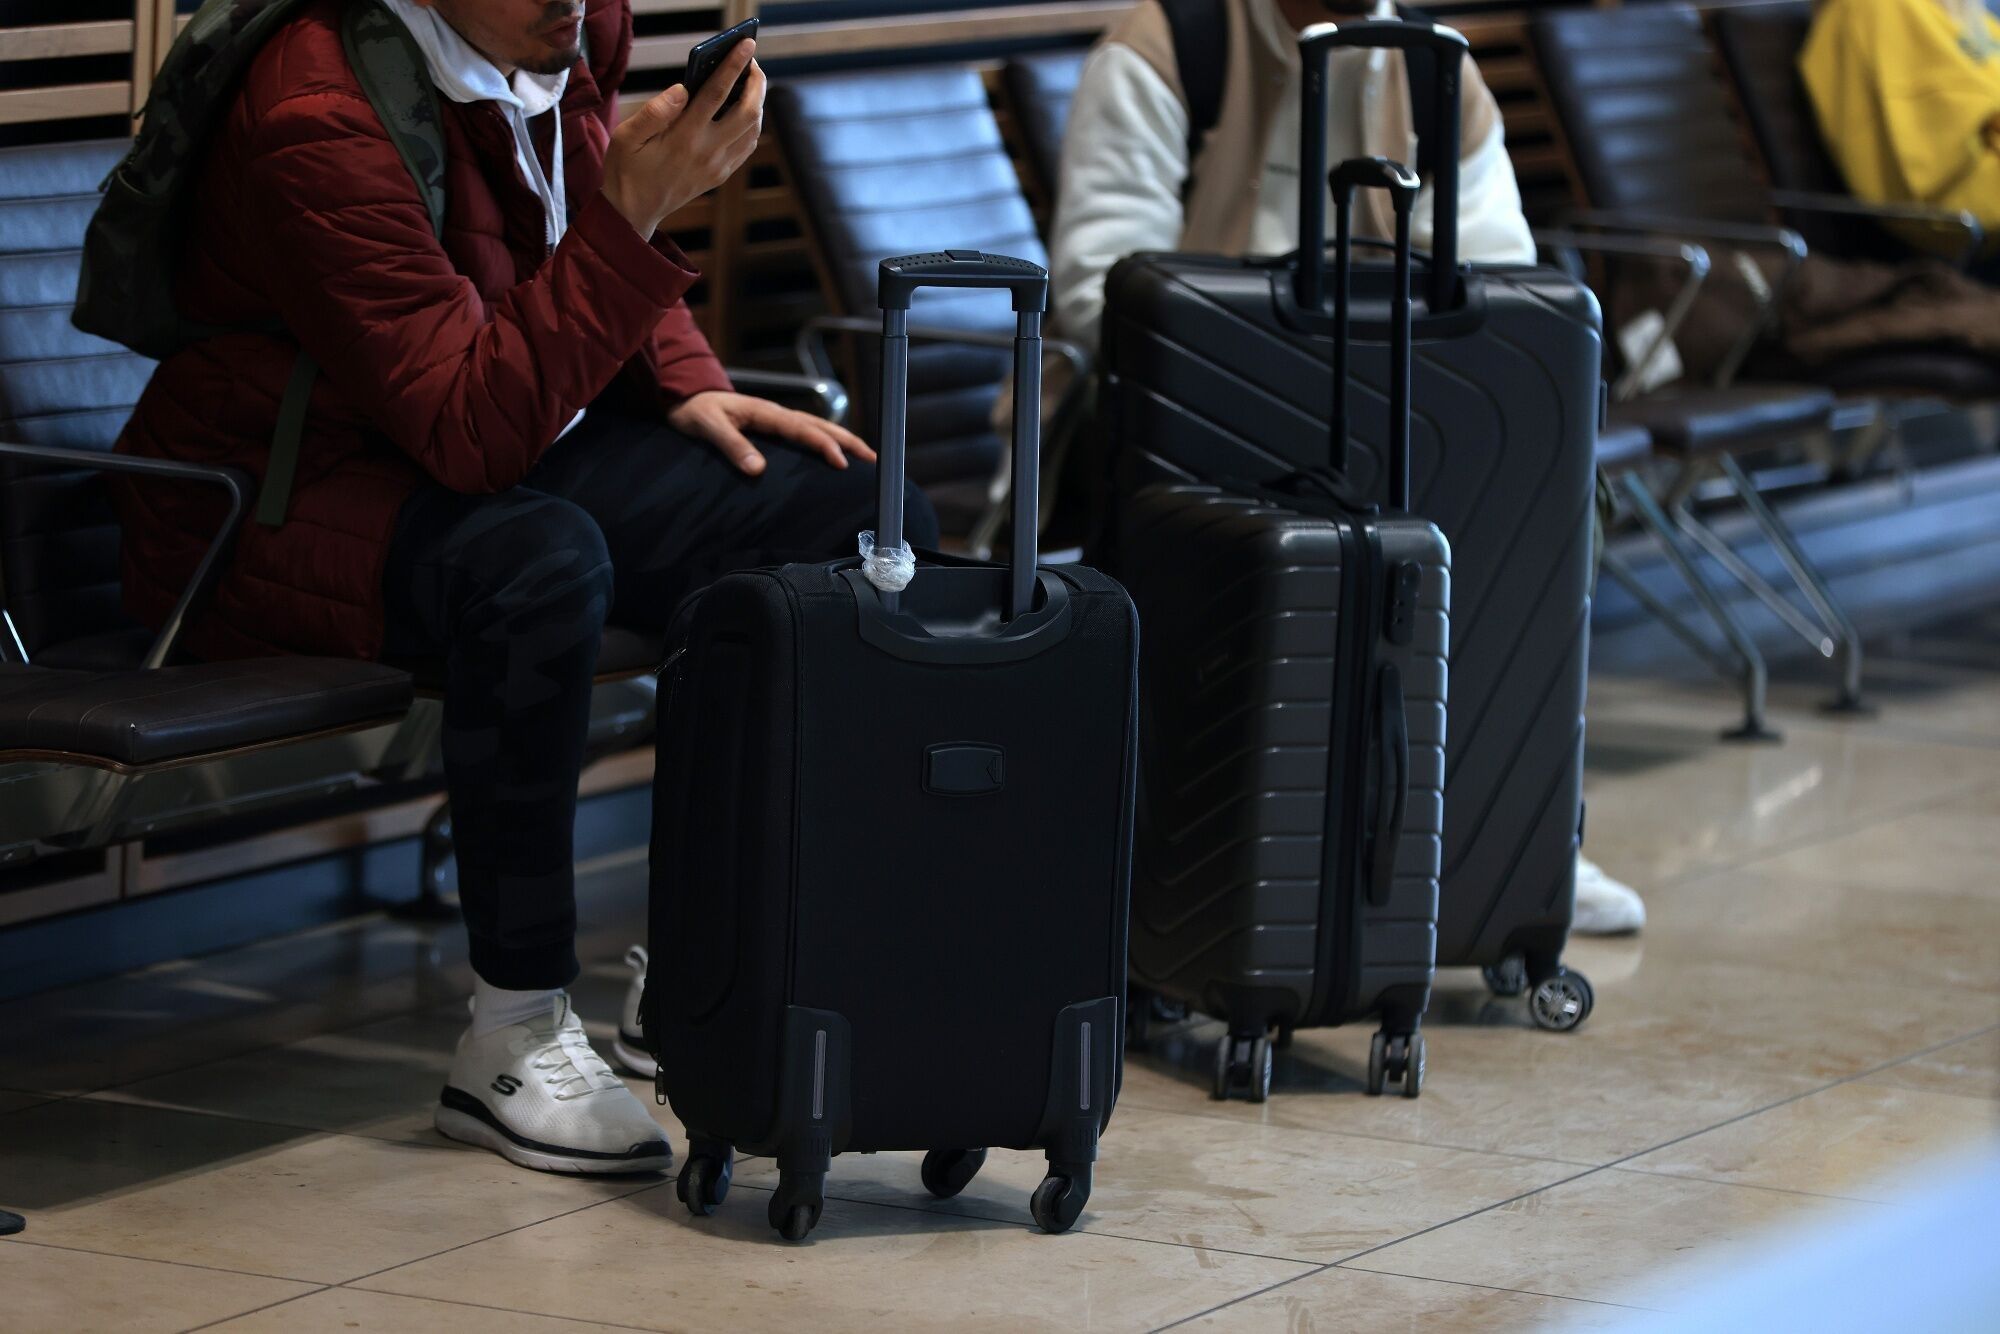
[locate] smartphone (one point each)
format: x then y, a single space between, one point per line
706 57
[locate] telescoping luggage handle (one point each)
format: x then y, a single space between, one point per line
899 280
1448 48
1401 183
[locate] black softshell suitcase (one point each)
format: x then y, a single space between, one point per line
891 852
1209 379
1292 732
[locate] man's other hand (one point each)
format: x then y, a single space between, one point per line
720 419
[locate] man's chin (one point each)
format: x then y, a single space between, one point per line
552 62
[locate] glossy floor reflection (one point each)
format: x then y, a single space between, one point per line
1812 1015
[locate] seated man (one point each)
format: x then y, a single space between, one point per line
472 489
1132 179
1907 94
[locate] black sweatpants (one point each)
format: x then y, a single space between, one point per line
620 519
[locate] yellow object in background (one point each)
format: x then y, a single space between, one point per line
1907 93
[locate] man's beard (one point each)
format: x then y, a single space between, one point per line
555 62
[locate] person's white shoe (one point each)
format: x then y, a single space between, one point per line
536 1094
1604 907
630 1044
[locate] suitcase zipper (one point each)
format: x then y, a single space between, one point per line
1346 770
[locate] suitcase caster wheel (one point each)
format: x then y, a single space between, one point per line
798 1222
946 1172
1057 1203
1378 1064
1413 1066
796 1204
1509 977
1242 1062
703 1184
1561 1002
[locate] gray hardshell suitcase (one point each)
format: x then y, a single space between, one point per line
1209 379
1292 731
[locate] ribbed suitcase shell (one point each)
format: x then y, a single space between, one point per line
1237 907
1202 377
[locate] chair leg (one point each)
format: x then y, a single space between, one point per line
1748 664
1710 541
434 852
1808 579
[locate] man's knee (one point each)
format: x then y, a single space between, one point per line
543 559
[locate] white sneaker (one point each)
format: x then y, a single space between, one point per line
1604 907
630 1045
537 1095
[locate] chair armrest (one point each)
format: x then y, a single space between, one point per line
232 480
1741 236
1944 219
828 395
1691 257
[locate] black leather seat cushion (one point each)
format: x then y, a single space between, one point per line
1705 421
1041 88
622 652
1948 372
145 717
1622 445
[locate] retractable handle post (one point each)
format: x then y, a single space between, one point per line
1448 48
1382 174
1028 284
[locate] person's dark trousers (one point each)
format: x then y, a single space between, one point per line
621 519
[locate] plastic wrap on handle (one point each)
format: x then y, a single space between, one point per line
888 568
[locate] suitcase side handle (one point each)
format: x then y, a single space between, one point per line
1401 183
1028 284
1392 797
1449 49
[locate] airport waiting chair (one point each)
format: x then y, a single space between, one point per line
1639 430
891 161
107 732
1760 44
1658 152
1039 89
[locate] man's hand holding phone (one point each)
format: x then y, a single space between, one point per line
683 144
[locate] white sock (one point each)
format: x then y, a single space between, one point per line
495 1008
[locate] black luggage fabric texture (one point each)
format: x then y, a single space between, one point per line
1204 382
799 859
892 842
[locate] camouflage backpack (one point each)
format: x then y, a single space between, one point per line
132 249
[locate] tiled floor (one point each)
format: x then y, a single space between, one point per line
244 1142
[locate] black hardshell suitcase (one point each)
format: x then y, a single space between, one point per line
891 850
1292 732
1206 380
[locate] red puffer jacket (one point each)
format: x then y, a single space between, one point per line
457 360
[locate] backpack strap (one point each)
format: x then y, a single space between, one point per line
1200 31
393 74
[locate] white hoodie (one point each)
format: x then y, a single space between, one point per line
461 73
